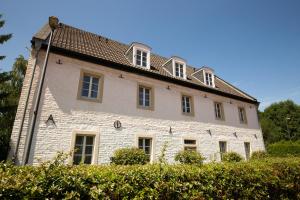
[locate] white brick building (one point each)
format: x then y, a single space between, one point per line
93 83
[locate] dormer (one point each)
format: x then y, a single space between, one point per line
139 55
206 76
176 66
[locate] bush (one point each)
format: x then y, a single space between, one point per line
276 178
129 156
258 155
231 157
189 157
284 148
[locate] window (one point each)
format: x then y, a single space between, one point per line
179 70
145 97
90 86
223 148
141 58
146 145
242 115
247 150
187 102
219 113
83 149
190 145
208 79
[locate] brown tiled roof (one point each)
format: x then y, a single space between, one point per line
86 43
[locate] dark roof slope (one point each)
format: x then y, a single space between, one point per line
82 42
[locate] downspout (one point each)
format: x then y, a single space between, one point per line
37 47
53 23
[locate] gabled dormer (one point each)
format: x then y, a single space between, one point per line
139 55
176 66
206 76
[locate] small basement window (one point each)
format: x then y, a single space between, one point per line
190 145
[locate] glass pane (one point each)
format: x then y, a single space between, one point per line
86 85
140 143
189 141
88 159
147 142
95 87
144 63
94 94
79 140
147 150
86 78
78 149
85 93
147 103
77 159
89 149
144 55
89 140
138 52
95 81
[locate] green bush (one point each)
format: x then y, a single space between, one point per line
284 148
189 157
129 156
258 155
275 178
231 157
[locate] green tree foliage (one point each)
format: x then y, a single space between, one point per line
4 37
189 157
10 89
284 148
281 121
129 156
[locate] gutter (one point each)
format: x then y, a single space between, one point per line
53 23
37 47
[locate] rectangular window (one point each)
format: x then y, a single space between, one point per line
179 70
223 148
83 149
208 79
90 86
219 113
242 115
247 150
145 97
186 102
146 145
190 145
141 58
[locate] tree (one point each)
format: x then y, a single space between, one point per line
10 89
281 121
5 37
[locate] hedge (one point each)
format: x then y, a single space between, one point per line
129 156
263 179
284 148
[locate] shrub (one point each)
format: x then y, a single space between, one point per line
231 157
276 178
284 148
258 155
189 157
129 156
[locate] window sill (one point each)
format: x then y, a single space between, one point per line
150 108
90 99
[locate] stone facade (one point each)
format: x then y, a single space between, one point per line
119 102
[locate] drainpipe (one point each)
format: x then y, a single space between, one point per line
53 23
37 47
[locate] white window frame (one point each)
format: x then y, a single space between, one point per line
95 144
212 78
226 148
184 103
180 62
90 86
219 111
242 115
147 51
144 96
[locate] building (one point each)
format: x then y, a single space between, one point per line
99 95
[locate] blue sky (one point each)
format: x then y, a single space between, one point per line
252 44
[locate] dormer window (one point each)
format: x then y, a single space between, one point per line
139 55
208 79
141 58
179 70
